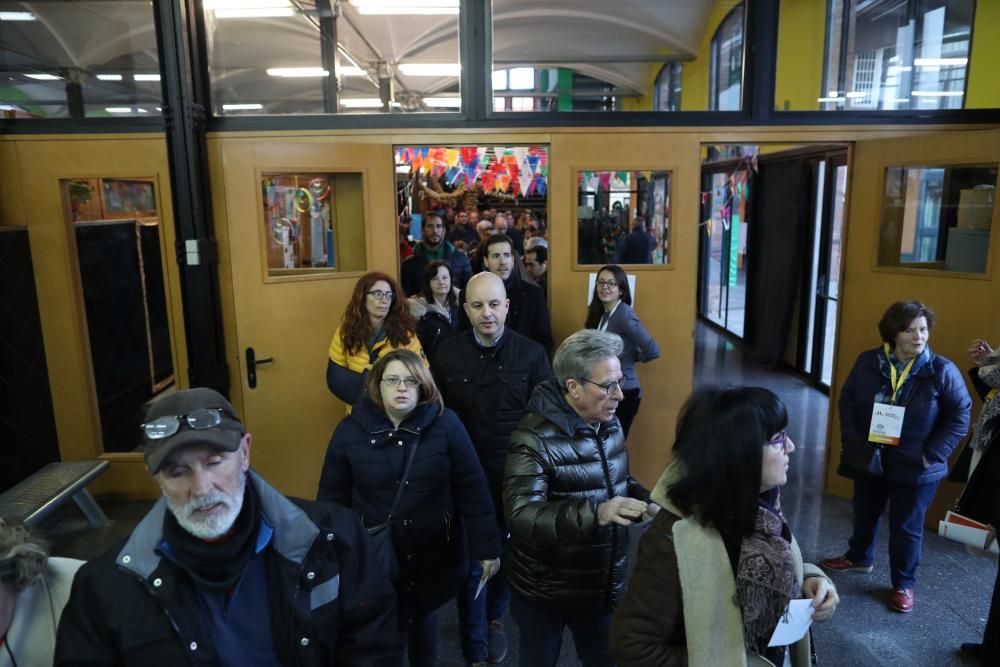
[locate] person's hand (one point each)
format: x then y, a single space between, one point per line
621 510
980 351
651 510
823 595
490 567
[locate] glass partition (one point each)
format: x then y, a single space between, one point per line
313 223
66 59
642 55
938 217
302 57
623 217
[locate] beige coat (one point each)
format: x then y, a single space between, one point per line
32 634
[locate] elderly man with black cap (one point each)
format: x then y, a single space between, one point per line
225 570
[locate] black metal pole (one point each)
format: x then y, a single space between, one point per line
184 69
328 52
760 59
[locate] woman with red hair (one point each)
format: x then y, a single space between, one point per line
375 323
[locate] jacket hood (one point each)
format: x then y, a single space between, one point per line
374 420
548 401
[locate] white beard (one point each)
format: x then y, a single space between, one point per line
214 525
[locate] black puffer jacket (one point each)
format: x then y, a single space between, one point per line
559 470
489 389
132 606
364 463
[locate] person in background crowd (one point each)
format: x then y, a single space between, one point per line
719 565
486 376
33 591
568 498
224 570
376 322
444 491
902 375
504 224
433 247
611 310
436 307
536 261
463 230
638 244
981 499
529 313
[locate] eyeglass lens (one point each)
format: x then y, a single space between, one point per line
380 295
607 283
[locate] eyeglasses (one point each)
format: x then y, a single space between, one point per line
779 443
608 388
379 295
607 283
393 381
201 419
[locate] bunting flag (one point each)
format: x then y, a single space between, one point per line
524 180
451 155
534 162
605 179
517 170
540 187
503 182
489 180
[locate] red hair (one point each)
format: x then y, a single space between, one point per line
356 326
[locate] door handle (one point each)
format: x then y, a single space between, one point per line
252 363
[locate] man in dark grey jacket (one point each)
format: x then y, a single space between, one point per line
568 497
224 570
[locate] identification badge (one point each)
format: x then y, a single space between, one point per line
887 424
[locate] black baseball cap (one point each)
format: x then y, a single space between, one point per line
225 436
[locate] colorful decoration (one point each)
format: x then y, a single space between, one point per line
518 171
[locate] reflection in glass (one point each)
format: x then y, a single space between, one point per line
119 252
303 226
726 77
66 59
725 202
937 217
369 56
623 217
897 55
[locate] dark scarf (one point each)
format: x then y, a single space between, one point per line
216 566
884 394
765 576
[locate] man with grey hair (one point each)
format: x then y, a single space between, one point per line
224 570
568 498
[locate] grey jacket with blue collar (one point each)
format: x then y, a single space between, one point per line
328 605
639 346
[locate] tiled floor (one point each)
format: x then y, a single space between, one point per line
953 590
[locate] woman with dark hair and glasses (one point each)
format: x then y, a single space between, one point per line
376 322
436 308
611 310
444 498
718 566
913 405
33 591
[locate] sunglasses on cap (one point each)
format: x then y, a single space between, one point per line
201 419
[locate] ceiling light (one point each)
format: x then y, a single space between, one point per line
297 71
44 77
406 6
242 107
264 12
449 102
146 77
941 62
109 77
118 109
937 93
17 16
361 103
430 69
141 110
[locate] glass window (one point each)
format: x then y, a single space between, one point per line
726 76
313 223
623 217
66 59
587 55
299 57
938 217
850 55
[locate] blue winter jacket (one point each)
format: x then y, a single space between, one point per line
937 415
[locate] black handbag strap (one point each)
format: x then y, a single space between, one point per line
402 482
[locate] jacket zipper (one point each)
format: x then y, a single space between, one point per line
166 610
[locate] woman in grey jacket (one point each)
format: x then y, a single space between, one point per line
611 310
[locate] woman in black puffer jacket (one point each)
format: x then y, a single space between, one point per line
402 409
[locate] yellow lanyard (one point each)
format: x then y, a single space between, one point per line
892 373
993 394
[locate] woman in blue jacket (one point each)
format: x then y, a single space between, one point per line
611 310
401 409
905 380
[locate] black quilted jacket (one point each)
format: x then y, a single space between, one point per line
558 471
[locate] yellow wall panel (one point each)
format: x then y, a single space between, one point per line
801 45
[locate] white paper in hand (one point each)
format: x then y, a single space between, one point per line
794 624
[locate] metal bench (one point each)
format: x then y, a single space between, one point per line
33 499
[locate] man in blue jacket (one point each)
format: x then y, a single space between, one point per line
224 570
